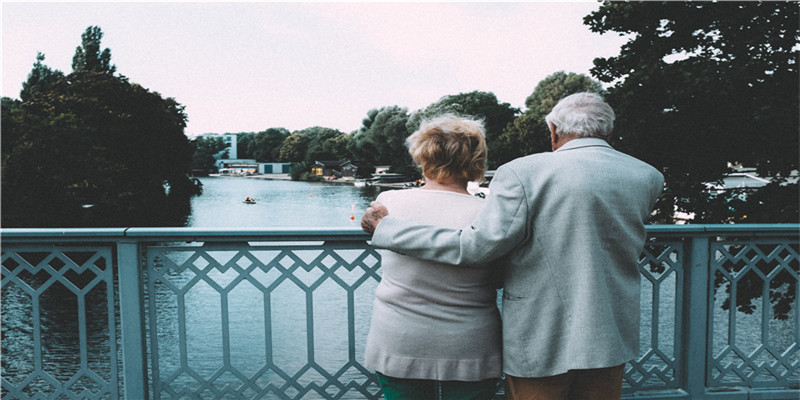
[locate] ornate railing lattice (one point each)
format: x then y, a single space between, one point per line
754 285
661 266
59 324
262 307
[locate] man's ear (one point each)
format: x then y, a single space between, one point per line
553 135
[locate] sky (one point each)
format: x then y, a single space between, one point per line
249 66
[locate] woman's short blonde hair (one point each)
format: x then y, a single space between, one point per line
450 148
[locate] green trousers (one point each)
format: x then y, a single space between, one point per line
424 389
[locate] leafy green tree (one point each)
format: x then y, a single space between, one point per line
361 145
39 79
496 115
10 125
554 88
266 145
88 57
326 144
294 147
205 150
244 144
97 150
529 134
700 85
381 139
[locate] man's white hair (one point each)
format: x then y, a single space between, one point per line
582 114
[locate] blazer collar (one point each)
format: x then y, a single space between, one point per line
584 142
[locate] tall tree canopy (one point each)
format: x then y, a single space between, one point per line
485 105
93 149
325 144
381 138
528 134
702 84
294 148
88 57
317 143
40 79
244 144
98 141
205 149
266 145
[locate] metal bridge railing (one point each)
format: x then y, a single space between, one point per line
170 313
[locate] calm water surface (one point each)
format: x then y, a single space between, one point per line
278 203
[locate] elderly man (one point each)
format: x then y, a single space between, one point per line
568 226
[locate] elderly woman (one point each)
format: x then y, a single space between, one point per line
435 329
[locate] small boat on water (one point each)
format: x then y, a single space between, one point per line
249 200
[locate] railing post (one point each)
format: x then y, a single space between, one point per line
134 358
695 317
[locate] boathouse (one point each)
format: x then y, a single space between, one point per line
344 169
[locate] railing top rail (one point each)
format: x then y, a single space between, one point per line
725 229
208 234
350 233
95 233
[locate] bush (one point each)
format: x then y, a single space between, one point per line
310 177
297 170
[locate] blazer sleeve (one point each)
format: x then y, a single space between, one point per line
499 227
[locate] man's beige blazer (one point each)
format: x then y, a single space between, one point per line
568 227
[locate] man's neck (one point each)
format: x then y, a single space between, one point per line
561 140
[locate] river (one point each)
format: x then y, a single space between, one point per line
278 203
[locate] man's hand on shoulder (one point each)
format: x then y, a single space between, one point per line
373 216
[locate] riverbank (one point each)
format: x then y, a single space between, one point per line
338 181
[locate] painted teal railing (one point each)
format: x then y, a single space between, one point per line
167 313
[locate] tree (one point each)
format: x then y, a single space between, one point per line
312 144
205 150
10 130
326 144
97 150
700 85
266 145
381 139
485 105
555 87
39 79
294 148
529 134
712 83
244 144
88 57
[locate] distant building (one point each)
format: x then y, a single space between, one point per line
335 168
230 142
249 166
744 179
274 168
227 166
747 178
